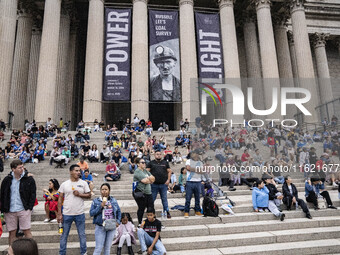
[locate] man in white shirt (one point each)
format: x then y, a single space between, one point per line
193 186
71 194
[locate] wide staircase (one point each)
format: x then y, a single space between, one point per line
246 232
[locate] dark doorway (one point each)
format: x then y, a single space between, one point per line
160 112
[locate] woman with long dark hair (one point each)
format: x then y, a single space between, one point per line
106 216
51 196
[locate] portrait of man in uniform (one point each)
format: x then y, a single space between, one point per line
165 86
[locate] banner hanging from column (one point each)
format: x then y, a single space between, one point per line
165 84
209 46
117 64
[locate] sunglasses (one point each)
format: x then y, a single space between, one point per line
142 162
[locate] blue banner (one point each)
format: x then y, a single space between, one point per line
117 64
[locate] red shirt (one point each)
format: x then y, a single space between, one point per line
245 157
271 141
111 168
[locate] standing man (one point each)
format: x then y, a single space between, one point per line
18 194
71 193
194 176
160 169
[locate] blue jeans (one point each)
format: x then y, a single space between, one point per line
146 241
80 224
279 179
104 240
192 188
220 157
162 189
132 169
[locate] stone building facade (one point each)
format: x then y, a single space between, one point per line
51 52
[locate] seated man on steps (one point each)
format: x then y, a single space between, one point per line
315 188
290 197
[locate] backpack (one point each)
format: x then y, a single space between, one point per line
210 208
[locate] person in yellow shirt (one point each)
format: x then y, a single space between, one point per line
117 143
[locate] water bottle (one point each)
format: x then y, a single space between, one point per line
61 229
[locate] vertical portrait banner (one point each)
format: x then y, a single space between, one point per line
117 55
209 49
164 56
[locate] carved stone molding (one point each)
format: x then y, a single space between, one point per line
319 39
259 4
226 3
280 19
183 2
296 5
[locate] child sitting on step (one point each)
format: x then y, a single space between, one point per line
125 231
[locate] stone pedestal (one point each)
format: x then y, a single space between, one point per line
33 74
304 57
46 83
8 18
92 107
190 101
140 60
18 96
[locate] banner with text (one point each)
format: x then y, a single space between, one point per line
209 49
164 56
117 64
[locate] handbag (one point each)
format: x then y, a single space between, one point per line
109 224
138 194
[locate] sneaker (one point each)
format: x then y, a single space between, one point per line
309 216
198 214
282 217
261 210
232 189
54 221
95 174
335 185
168 215
46 220
163 227
186 215
332 207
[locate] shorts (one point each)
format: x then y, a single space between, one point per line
12 218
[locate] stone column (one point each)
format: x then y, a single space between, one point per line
253 60
33 73
17 100
270 70
284 59
92 108
140 60
45 96
325 85
71 74
230 52
8 18
293 57
190 105
62 67
304 57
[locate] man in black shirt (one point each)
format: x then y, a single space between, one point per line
149 234
160 169
131 161
312 157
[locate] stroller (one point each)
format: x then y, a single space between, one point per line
218 194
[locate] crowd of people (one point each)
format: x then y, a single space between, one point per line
150 160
